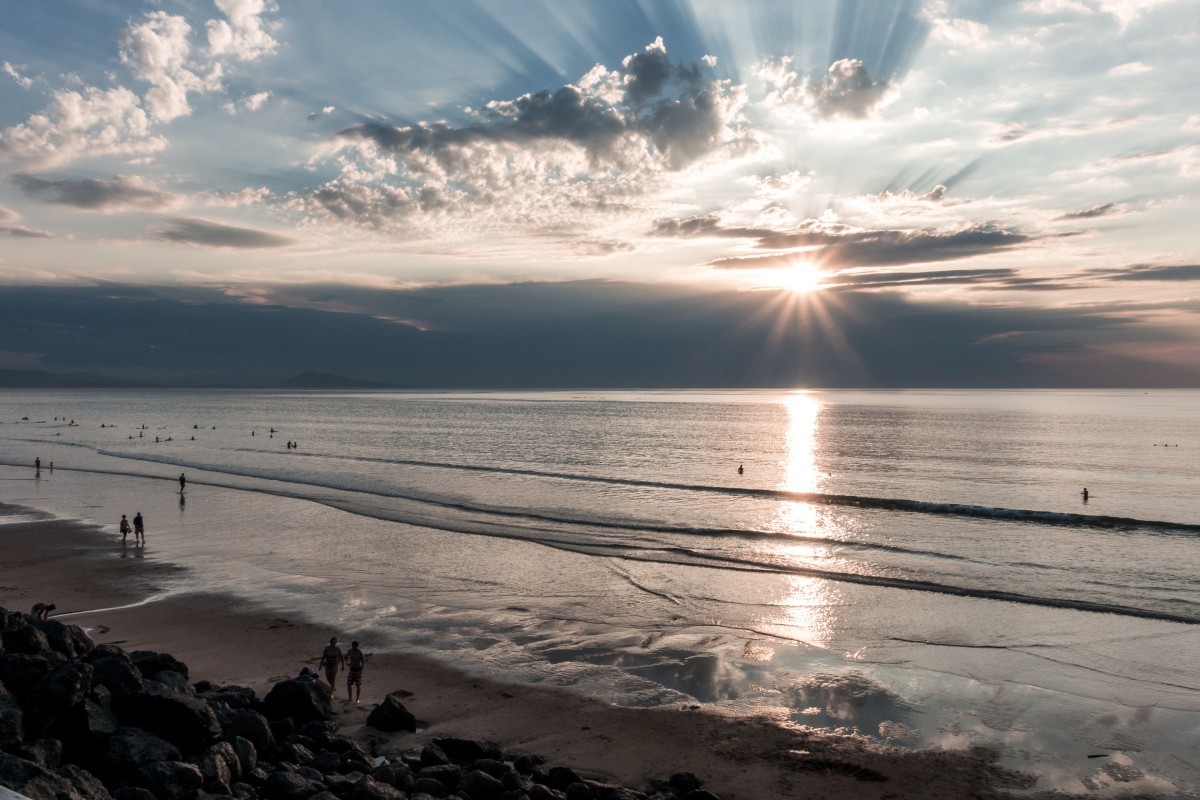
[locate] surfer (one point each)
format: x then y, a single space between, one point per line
741 469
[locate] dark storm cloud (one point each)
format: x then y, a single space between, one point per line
682 127
579 334
214 234
121 192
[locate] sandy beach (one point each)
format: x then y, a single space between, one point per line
118 600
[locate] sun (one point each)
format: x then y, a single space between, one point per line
800 278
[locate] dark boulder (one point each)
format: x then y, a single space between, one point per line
683 782
249 725
47 753
391 715
301 700
220 763
114 670
491 766
433 756
185 721
448 775
463 751
167 780
699 794
20 672
247 754
33 781
481 786
87 784
540 792
20 636
70 640
133 793
232 696
130 748
174 681
289 786
150 663
369 789
12 722
561 777
55 696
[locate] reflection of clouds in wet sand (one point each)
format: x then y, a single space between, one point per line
851 700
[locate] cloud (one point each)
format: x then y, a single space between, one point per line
1148 272
215 234
249 103
159 51
846 90
10 225
12 71
91 122
1098 210
121 193
245 34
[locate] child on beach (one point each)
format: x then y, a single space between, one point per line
331 659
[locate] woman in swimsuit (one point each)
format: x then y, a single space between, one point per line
331 659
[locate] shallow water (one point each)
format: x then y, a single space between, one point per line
917 566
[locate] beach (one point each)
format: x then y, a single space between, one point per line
898 583
227 640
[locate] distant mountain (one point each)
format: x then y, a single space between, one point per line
325 380
37 379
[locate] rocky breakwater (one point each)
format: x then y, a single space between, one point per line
80 721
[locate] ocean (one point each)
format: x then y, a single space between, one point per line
917 567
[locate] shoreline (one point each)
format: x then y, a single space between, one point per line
228 641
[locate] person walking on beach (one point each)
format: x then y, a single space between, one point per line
182 482
37 464
139 528
356 659
331 659
124 528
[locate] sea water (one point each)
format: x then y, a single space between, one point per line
919 567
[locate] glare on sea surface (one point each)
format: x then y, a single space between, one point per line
800 471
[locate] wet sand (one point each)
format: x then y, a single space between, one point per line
104 587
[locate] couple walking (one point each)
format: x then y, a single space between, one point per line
354 660
139 528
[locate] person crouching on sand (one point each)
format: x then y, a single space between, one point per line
331 659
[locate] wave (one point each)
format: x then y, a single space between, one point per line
930 507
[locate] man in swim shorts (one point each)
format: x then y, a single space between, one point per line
331 659
356 659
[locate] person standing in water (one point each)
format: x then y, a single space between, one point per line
182 482
139 528
331 659
1085 494
125 529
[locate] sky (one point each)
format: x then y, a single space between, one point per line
604 192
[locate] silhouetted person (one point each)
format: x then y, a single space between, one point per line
125 529
741 469
182 483
356 659
1085 494
37 465
331 659
139 528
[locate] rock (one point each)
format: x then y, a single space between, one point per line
684 782
19 636
581 791
133 793
461 751
343 745
185 721
167 780
391 715
46 753
368 789
249 725
432 756
20 672
481 786
12 721
540 792
218 788
173 680
114 670
232 696
150 663
33 781
491 766
295 753
55 695
130 748
87 784
428 787
340 785
699 794
525 765
70 640
289 786
301 700
448 775
324 761
561 777
247 754
220 763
